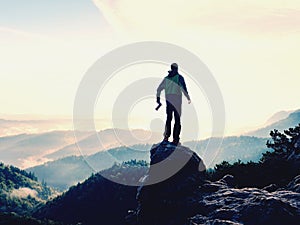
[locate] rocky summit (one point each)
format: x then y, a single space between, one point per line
163 199
187 198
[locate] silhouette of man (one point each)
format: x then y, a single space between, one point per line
174 85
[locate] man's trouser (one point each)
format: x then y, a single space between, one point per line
173 106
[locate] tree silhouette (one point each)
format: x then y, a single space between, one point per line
277 166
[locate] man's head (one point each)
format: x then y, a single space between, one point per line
174 67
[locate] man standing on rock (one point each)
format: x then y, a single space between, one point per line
174 85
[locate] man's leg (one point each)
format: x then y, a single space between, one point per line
177 124
167 132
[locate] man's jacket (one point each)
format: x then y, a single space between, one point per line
174 85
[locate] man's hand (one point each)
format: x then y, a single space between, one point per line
189 101
158 100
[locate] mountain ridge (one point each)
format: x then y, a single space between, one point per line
291 120
25 150
251 148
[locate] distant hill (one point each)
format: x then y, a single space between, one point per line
24 150
90 145
20 191
291 120
68 171
244 148
27 150
278 116
63 173
97 200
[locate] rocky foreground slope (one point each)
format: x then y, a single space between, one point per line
187 198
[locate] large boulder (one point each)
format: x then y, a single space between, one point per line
175 172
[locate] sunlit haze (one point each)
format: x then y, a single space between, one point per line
250 46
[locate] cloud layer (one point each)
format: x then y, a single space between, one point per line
159 16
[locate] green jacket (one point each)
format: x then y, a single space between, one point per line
173 85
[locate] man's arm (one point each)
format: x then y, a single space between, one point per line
159 89
183 88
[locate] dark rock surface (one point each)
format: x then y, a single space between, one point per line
167 202
271 188
294 185
246 206
187 199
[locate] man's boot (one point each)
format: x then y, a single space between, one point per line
176 142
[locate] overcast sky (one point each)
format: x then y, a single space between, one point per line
251 47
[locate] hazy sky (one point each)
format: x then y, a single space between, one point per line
251 47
